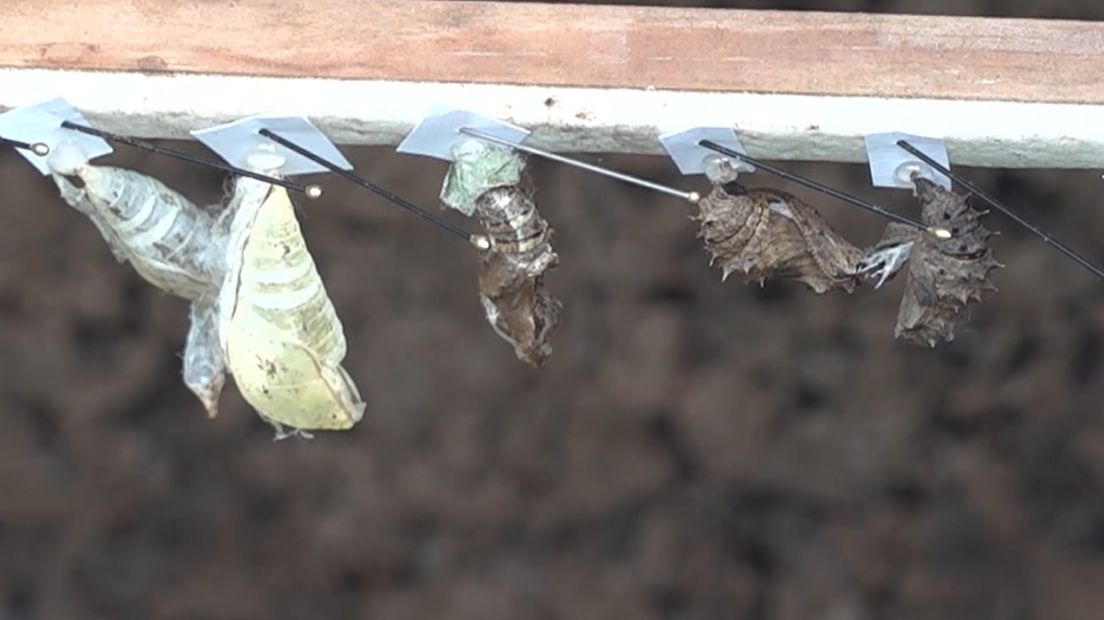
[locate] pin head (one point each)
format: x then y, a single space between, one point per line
41 126
481 242
313 191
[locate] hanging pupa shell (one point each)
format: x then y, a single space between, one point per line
763 234
511 272
204 362
162 234
945 276
278 330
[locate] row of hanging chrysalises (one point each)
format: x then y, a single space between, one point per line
260 312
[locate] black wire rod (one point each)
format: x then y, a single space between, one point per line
993 202
38 148
368 185
311 191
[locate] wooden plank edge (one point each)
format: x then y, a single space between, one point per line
993 134
570 45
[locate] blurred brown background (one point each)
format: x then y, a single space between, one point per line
693 451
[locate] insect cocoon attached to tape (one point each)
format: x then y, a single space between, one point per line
511 273
764 234
162 234
945 276
278 330
485 180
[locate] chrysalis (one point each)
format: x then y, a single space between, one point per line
511 273
278 330
765 234
945 275
161 233
486 179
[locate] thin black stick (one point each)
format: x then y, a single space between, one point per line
993 202
38 148
312 191
368 185
824 189
691 197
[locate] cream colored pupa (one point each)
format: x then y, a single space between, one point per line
281 338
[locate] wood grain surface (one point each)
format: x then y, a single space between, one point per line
568 45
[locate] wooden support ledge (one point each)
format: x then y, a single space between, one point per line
796 85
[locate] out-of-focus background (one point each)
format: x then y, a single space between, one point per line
694 450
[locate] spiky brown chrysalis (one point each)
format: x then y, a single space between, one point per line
945 276
511 272
764 234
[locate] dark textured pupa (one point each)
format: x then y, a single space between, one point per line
945 276
764 234
511 272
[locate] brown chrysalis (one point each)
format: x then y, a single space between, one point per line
945 275
766 234
511 272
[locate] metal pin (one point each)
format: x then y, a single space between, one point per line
310 191
691 197
941 233
993 202
38 148
372 187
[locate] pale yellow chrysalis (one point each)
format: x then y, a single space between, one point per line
162 234
281 337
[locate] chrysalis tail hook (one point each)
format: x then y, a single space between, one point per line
993 202
311 191
941 233
372 187
691 197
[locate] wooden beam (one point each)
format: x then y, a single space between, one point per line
796 85
723 50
